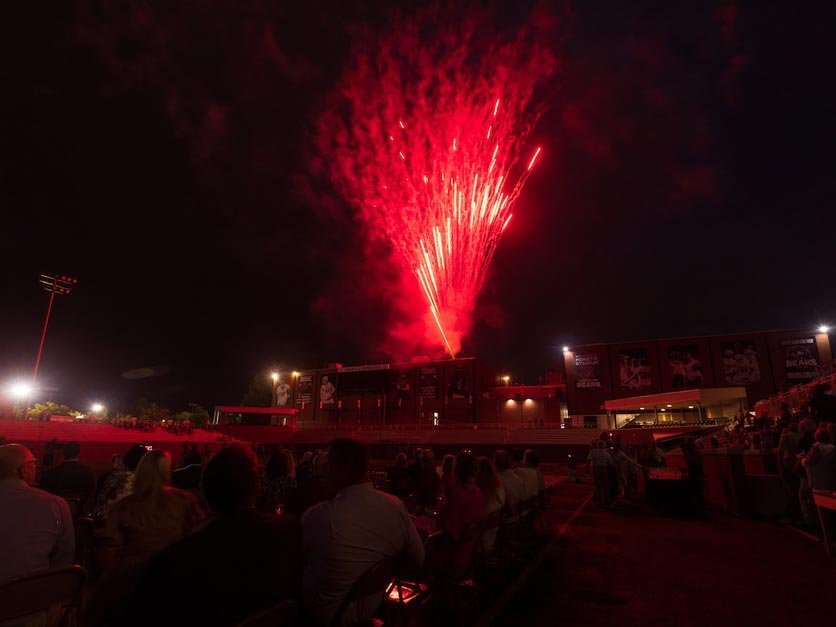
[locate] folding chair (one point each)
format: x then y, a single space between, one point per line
282 615
375 580
56 589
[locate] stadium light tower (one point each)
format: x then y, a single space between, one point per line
54 284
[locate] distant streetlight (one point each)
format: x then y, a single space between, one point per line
96 408
506 379
274 376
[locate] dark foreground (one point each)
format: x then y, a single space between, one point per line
632 567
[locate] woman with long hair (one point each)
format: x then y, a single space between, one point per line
464 507
488 481
448 481
143 523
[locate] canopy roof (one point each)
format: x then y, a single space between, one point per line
681 399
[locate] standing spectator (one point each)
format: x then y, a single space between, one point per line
414 468
787 451
241 563
511 483
71 479
655 456
599 461
313 491
820 461
344 537
489 483
805 494
36 529
464 506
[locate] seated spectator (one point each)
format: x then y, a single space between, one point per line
398 476
528 472
489 483
429 483
414 469
36 529
117 484
344 537
304 471
240 563
511 483
279 480
448 480
143 523
71 479
313 491
464 506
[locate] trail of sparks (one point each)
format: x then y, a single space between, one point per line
437 172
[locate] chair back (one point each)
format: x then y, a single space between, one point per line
75 506
282 615
41 592
374 580
84 540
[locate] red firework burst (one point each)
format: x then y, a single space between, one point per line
429 144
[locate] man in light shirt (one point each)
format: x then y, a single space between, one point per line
530 474
36 529
344 537
515 491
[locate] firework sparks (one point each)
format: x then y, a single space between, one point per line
435 164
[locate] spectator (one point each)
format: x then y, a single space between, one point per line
344 537
150 519
313 491
820 461
805 495
118 484
279 480
71 479
241 563
531 477
415 468
655 456
448 480
511 483
429 483
193 457
464 507
822 403
36 529
787 451
600 460
398 476
304 471
489 483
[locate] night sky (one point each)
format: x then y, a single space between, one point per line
161 156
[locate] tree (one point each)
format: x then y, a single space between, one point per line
40 411
198 416
152 411
260 393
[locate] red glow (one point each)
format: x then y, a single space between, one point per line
434 161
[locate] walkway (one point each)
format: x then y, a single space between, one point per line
633 568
